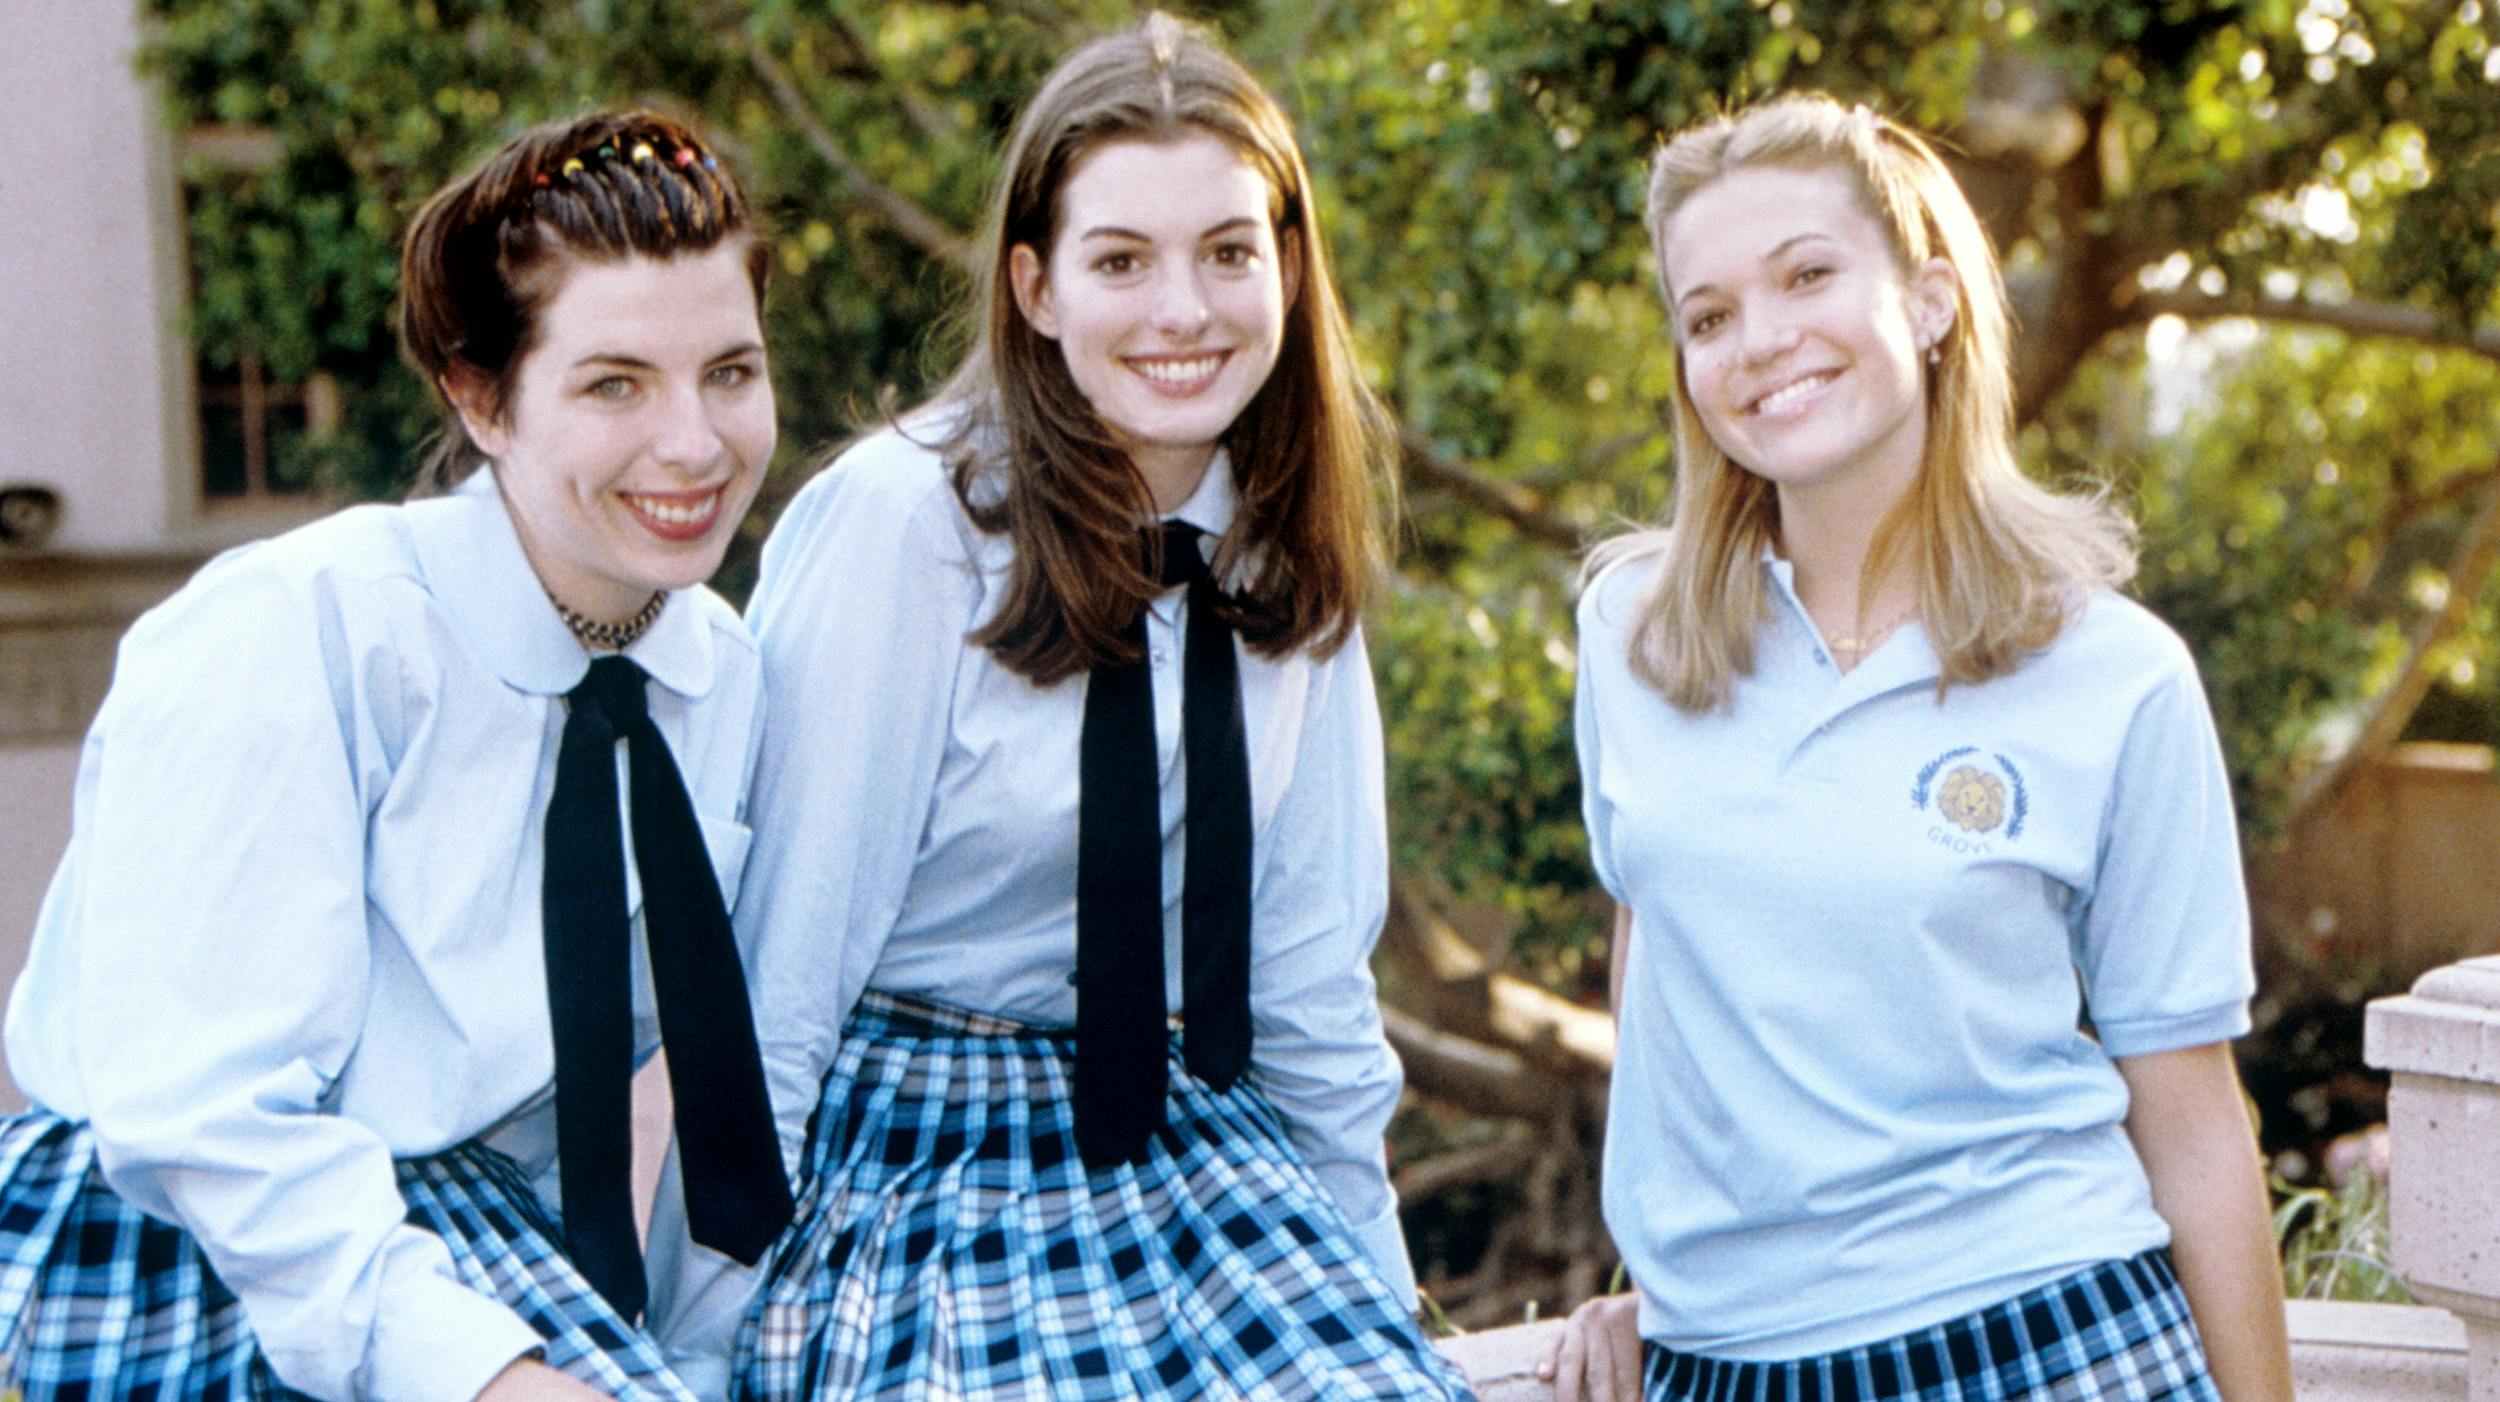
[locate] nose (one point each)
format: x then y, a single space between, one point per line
1765 335
1180 301
686 438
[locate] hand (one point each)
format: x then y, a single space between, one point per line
1596 1355
528 1380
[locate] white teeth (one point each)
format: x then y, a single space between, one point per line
1178 372
1788 394
675 512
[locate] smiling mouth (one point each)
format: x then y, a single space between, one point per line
1795 391
1179 374
676 515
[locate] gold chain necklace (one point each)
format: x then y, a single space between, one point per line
614 637
1867 641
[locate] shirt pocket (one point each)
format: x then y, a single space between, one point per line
728 842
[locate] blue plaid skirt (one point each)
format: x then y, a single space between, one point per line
951 1244
98 1299
2115 1332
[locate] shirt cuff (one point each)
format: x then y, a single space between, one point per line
441 1341
2143 1036
1384 1241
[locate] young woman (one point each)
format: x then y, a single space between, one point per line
1076 734
348 944
1932 932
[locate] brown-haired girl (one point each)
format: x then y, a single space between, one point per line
1076 738
334 1002
1931 936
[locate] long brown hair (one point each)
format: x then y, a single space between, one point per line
1305 452
2001 562
484 254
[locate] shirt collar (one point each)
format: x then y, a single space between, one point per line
1211 507
1907 658
473 564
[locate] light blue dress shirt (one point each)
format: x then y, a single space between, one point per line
915 816
296 933
1850 1096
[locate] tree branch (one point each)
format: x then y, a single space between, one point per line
1485 1080
1424 465
1461 1168
2359 318
2394 707
923 229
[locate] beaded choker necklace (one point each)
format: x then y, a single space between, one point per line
614 637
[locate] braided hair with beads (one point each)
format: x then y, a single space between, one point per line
485 254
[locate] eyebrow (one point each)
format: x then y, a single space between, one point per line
635 362
1776 250
1113 231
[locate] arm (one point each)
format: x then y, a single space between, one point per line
1320 1054
2163 946
1618 954
223 972
859 613
2187 1119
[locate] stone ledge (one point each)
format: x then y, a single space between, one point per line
2340 1353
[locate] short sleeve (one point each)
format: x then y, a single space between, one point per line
1601 643
2163 939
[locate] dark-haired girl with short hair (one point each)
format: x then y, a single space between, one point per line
1070 848
334 1002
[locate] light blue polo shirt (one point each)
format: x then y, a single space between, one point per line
1850 1098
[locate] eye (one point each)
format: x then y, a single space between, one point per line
1117 264
735 375
1703 324
613 388
1237 254
1809 275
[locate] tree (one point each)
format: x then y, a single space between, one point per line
2254 247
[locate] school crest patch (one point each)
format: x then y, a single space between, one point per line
1973 798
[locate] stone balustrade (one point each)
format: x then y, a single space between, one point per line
2441 1042
2340 1353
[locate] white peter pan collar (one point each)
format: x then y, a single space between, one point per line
473 563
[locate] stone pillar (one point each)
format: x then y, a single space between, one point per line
2442 1042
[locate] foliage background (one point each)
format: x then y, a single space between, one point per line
2255 248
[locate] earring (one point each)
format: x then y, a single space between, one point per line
1935 354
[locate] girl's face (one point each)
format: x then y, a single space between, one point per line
1165 288
1801 337
637 431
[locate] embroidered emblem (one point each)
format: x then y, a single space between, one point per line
1980 800
1975 801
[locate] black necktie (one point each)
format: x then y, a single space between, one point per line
1120 1006
737 1200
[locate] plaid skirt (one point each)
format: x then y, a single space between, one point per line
2115 1332
99 1299
951 1244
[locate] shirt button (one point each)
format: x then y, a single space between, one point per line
1160 654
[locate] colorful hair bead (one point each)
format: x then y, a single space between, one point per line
572 166
642 153
710 164
540 180
683 158
607 152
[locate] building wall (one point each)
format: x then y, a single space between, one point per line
95 379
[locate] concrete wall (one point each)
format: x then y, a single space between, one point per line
96 397
2395 876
